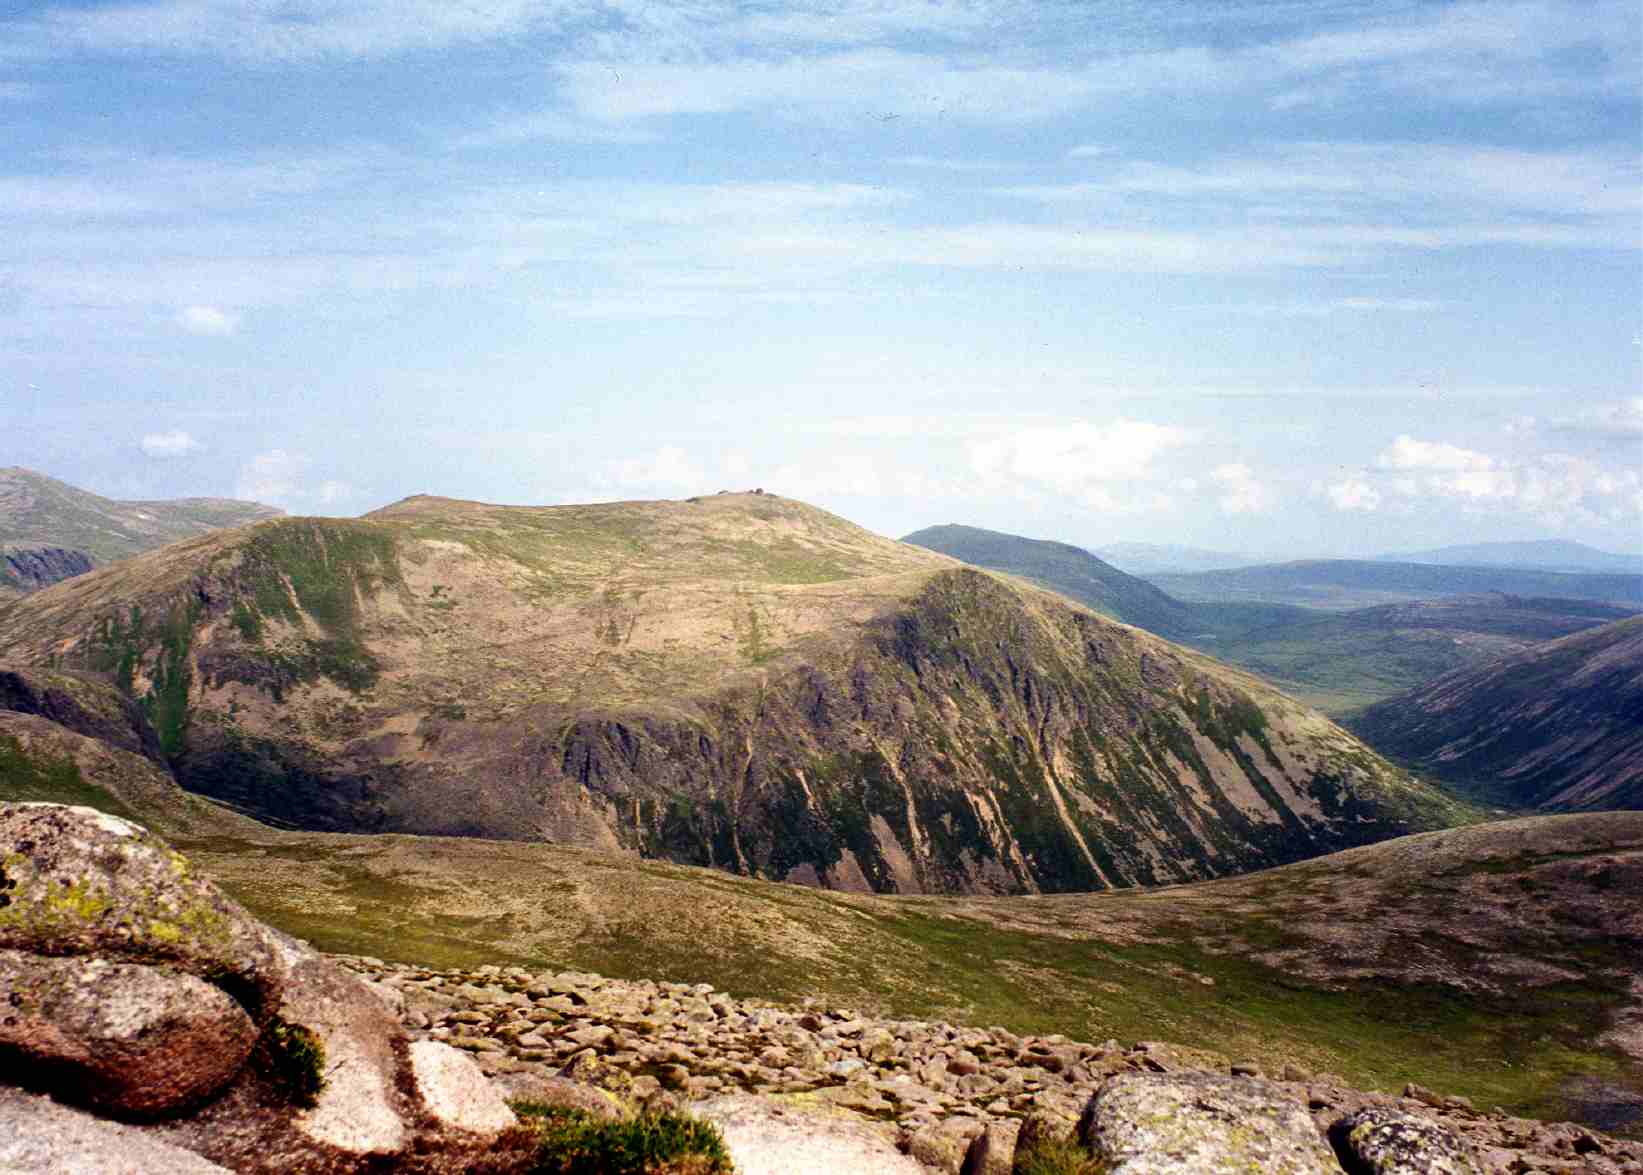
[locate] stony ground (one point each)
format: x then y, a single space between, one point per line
931 1085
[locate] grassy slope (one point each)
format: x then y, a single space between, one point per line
1413 960
36 510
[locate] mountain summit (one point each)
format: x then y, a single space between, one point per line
737 680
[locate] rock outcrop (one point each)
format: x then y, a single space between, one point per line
135 990
28 569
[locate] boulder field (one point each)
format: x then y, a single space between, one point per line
148 1024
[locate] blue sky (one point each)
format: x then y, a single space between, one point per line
1291 278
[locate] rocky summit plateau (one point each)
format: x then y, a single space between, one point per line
739 680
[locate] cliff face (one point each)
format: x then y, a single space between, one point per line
28 569
1557 726
741 682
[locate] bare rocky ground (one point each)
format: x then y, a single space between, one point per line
937 1089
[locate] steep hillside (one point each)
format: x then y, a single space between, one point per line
739 681
1557 726
41 512
1348 583
1341 661
1063 568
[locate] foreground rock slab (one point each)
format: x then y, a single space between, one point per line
137 990
44 1138
767 1137
1202 1124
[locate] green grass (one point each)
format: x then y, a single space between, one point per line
572 1142
34 778
915 958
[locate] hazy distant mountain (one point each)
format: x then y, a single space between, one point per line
1070 570
1151 558
1541 554
738 680
1357 583
40 513
1556 726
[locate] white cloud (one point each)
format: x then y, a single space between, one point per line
175 443
1098 465
1089 151
668 470
1554 488
207 320
272 477
1240 491
867 83
1408 453
1354 493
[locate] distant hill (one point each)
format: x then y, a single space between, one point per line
1342 584
1558 726
43 514
1541 555
1339 661
736 680
1072 571
1155 558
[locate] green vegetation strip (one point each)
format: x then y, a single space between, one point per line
571 1142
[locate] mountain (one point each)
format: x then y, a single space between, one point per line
1155 558
1558 726
739 681
1542 555
1070 570
1355 583
1350 962
1337 661
40 512
1341 661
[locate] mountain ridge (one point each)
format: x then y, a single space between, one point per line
735 680
41 513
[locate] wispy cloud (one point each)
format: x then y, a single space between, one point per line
175 443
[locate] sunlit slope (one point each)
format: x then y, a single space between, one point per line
739 681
